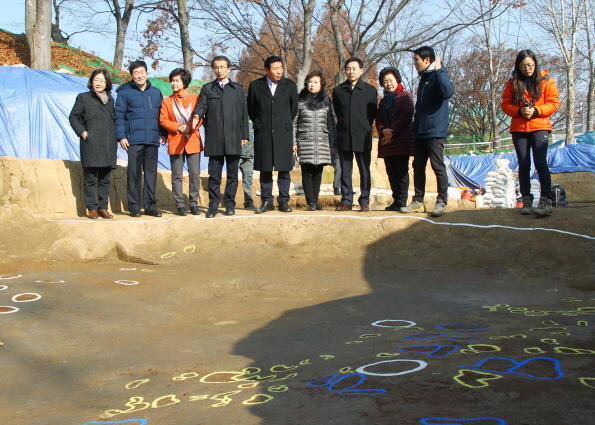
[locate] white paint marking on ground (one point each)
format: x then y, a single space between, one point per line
479 226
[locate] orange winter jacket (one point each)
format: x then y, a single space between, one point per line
177 143
546 106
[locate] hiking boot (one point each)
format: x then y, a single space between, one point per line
544 207
439 209
415 206
527 207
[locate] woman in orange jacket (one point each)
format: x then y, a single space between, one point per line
530 98
184 143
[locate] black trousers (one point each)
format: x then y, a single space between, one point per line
434 150
363 163
266 186
142 158
231 187
397 168
523 143
96 185
311 179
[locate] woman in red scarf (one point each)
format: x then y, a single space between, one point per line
394 122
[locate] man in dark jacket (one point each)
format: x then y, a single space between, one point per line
355 103
272 106
430 126
222 103
139 133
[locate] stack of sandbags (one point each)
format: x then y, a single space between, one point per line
500 187
535 191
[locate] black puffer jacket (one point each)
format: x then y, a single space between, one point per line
315 128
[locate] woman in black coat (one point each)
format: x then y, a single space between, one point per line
92 119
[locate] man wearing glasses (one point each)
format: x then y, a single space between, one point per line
222 105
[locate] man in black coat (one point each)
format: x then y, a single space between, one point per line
222 104
355 103
272 106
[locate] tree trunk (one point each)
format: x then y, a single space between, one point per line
591 100
335 7
308 50
41 54
187 52
122 21
30 13
570 104
56 31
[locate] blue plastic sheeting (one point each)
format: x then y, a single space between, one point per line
588 138
34 110
471 171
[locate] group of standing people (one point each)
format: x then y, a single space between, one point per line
286 123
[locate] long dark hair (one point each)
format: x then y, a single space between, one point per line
519 82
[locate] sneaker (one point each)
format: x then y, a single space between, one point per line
527 207
439 209
415 206
544 207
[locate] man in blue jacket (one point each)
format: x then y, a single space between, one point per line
430 126
138 131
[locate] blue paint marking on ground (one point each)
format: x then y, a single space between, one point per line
518 365
128 421
331 380
451 349
459 421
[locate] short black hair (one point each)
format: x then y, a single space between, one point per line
108 80
354 59
390 70
220 58
184 75
318 74
137 64
425 52
271 60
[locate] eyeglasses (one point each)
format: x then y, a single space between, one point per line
527 66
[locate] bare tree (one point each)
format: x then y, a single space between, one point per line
263 28
122 15
38 22
368 22
585 49
562 20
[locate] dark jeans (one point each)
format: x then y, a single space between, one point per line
523 143
142 158
311 178
363 163
96 181
434 150
397 168
266 186
231 187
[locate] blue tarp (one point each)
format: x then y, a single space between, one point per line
34 110
470 171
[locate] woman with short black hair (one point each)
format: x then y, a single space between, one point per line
530 98
92 119
394 122
183 141
315 135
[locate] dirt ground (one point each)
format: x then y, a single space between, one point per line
481 317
